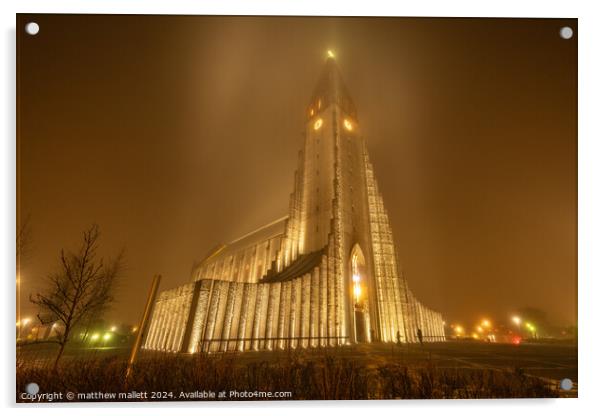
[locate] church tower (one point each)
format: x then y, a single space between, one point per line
325 275
336 209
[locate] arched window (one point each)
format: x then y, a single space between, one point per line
359 295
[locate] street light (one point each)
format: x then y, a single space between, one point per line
516 320
458 330
531 328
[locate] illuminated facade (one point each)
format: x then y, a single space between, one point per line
327 274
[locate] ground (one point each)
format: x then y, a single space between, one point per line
550 362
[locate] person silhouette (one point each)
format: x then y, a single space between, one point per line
419 334
398 338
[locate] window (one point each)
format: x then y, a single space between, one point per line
348 124
318 124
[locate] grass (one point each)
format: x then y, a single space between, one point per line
309 376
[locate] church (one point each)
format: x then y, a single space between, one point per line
327 274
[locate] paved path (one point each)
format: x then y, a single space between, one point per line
552 361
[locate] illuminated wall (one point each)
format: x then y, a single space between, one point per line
171 318
246 259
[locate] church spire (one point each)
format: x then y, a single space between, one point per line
331 90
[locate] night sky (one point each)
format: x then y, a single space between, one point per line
175 133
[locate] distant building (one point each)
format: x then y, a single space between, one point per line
327 274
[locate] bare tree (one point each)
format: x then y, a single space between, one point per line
82 287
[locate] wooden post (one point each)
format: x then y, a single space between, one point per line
142 328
